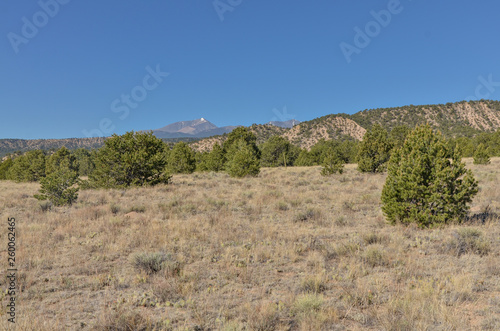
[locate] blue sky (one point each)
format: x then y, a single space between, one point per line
80 68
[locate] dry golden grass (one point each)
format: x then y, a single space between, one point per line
289 250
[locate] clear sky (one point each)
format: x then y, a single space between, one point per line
77 68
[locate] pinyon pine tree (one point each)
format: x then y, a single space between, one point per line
181 159
29 167
242 160
423 185
58 187
374 150
333 162
132 159
234 138
277 152
216 159
4 168
304 159
84 161
62 158
481 156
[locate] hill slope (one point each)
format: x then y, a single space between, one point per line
12 145
452 119
306 134
465 118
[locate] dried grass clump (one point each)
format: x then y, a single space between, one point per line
154 262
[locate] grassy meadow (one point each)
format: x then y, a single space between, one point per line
288 250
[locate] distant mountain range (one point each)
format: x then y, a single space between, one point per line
199 128
465 118
184 130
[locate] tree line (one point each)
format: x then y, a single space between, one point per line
123 160
420 161
136 159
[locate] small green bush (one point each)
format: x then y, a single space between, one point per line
332 162
481 156
423 185
58 187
